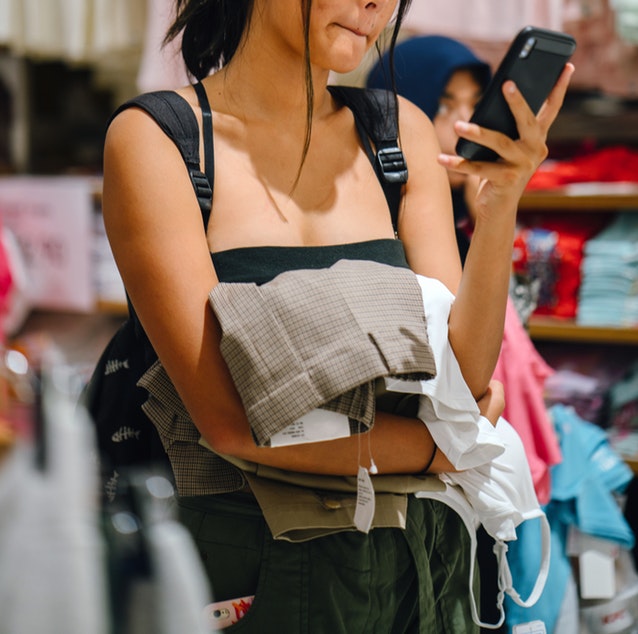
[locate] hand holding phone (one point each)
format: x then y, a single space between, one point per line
534 61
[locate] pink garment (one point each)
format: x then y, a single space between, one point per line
603 60
487 20
523 372
161 68
6 286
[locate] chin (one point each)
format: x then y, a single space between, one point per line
345 57
343 69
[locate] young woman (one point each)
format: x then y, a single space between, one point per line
293 184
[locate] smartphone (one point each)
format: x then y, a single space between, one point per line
534 61
221 614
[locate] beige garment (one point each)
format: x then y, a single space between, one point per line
197 470
382 303
320 338
301 506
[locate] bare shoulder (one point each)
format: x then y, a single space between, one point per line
416 129
135 144
145 177
133 129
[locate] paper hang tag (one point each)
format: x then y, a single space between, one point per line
364 512
534 627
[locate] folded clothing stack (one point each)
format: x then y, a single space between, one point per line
609 286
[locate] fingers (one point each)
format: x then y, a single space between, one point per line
554 102
532 129
492 403
526 120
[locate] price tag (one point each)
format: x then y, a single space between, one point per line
533 627
364 513
315 426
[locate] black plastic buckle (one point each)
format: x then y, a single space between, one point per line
202 188
392 164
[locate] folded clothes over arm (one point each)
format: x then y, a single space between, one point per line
321 338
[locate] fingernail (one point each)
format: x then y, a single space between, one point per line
510 87
462 126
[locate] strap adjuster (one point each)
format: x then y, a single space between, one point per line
392 165
202 188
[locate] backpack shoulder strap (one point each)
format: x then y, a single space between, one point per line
207 130
176 118
376 116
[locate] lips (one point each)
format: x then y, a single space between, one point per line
357 31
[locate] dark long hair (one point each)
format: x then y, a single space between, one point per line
212 31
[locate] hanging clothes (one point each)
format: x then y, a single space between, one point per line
523 372
157 580
117 26
604 60
583 488
75 16
41 32
161 67
51 549
626 19
61 569
7 21
488 20
605 57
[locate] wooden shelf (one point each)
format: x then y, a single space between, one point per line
555 329
633 464
108 307
583 198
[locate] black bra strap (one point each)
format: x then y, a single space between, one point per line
207 130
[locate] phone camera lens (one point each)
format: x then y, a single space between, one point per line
527 49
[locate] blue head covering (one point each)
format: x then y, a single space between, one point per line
423 66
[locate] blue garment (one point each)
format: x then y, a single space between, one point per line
584 481
423 66
582 496
524 561
608 293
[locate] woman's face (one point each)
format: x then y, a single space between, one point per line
341 31
457 103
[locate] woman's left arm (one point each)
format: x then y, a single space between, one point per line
425 225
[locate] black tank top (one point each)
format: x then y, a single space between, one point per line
261 264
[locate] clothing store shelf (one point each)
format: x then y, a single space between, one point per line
633 464
583 198
111 307
580 198
543 328
7 440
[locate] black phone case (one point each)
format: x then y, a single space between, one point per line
534 61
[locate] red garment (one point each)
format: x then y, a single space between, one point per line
523 372
617 164
552 253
